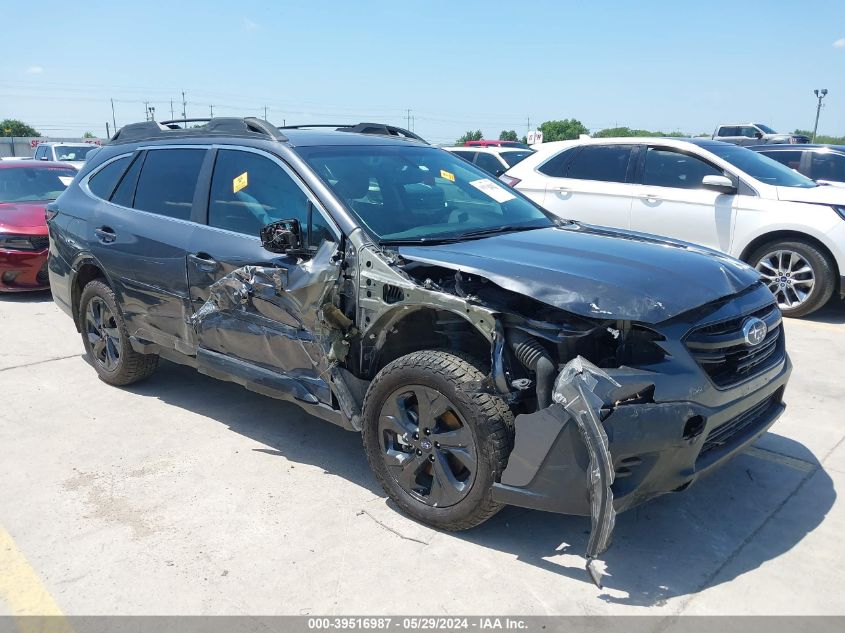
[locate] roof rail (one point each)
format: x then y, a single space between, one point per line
219 126
382 129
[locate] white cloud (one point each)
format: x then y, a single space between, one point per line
34 70
840 43
249 25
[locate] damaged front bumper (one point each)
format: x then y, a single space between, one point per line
618 437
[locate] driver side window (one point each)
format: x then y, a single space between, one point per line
249 191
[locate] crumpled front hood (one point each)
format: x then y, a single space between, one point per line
824 194
597 272
23 215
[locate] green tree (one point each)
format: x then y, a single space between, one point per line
13 127
88 135
507 135
822 138
616 132
470 136
562 130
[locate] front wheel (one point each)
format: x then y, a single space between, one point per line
435 440
799 275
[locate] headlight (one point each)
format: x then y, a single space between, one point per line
840 210
17 243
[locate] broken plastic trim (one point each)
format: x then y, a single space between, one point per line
575 390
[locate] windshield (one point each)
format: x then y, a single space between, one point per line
73 152
28 184
765 128
760 167
418 194
512 158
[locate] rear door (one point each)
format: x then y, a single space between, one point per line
594 186
671 201
257 311
141 237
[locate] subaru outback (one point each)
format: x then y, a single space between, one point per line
489 352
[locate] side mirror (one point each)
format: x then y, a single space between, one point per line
284 237
722 184
758 134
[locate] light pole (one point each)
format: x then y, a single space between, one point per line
820 94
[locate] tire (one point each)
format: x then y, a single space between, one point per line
778 262
447 470
106 340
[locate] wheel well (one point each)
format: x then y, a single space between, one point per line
425 328
87 272
777 236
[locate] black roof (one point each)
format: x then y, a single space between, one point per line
254 128
794 146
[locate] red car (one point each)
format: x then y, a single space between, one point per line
25 189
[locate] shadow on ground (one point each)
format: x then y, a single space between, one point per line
673 546
34 296
833 312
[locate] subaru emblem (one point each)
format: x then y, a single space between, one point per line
754 330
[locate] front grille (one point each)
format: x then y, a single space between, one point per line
39 243
722 352
749 419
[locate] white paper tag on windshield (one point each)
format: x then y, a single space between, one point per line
66 180
499 194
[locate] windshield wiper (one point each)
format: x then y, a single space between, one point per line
494 230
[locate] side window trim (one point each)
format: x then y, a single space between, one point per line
202 192
139 158
309 195
84 184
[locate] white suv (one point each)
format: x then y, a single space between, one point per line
712 193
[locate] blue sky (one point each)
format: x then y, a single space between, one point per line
457 65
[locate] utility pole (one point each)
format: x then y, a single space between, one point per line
114 122
211 111
108 134
409 119
527 125
265 113
171 109
184 106
146 110
820 94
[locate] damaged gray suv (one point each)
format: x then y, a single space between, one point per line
489 352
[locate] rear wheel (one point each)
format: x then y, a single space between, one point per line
799 275
435 440
106 340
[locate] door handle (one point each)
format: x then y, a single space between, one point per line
562 189
651 197
203 261
105 234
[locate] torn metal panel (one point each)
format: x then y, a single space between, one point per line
270 316
596 272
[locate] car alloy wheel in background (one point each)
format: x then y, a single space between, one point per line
789 276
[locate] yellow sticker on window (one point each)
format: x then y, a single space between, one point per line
448 175
239 182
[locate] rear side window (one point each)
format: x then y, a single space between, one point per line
556 165
791 159
727 130
607 163
668 168
827 167
102 183
167 182
125 191
465 155
490 163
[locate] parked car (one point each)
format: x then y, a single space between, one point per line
480 344
495 143
493 160
823 163
719 195
72 153
754 133
25 189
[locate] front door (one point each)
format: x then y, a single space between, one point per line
256 312
671 201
